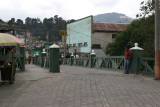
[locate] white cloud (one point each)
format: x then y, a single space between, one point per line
68 9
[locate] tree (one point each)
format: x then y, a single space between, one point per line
19 22
147 8
12 21
70 21
140 31
40 28
1 20
28 21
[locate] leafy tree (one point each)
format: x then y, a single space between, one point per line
70 21
12 21
39 28
19 22
28 21
147 7
140 31
1 20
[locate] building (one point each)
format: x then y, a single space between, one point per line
104 33
84 35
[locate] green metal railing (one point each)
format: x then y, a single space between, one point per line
114 62
46 62
111 63
38 61
17 59
145 65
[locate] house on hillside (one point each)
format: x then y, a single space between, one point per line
84 35
5 28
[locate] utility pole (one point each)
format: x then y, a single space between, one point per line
25 35
157 39
65 34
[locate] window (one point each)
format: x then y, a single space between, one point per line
74 44
96 46
85 44
79 44
114 36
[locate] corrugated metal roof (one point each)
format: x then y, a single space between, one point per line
109 27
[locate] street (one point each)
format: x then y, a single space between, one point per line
79 87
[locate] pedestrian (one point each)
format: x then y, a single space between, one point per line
128 56
29 59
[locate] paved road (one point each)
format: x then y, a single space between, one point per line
79 87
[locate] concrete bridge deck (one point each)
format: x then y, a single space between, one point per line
79 87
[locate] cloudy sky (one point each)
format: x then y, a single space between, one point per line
67 9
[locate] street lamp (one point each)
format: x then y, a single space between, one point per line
25 35
64 34
65 39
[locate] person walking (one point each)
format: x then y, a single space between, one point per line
128 56
29 59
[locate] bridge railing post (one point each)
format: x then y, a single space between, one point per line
92 55
43 55
37 55
22 61
54 58
135 61
33 59
71 59
62 59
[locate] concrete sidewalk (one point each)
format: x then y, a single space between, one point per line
79 87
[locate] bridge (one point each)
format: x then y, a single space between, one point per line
79 87
82 82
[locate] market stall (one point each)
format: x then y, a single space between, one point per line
9 47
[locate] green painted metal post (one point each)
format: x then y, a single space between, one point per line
92 55
62 59
54 59
135 62
72 56
22 51
37 55
33 60
43 55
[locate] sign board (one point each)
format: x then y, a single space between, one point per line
63 32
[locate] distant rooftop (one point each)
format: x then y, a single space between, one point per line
109 27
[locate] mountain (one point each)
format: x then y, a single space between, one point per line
113 18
